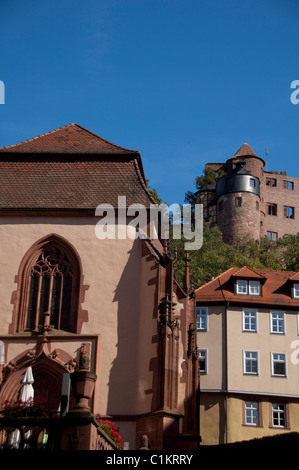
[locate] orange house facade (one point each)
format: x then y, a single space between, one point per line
248 340
67 293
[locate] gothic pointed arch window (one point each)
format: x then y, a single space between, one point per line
49 284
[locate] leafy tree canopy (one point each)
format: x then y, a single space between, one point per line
215 256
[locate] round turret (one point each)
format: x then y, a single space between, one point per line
238 203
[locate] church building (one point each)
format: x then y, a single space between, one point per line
67 291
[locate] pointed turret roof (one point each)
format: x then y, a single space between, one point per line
246 151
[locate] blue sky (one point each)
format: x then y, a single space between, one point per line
184 81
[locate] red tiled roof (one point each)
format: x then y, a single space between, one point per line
69 139
248 273
246 151
70 168
276 289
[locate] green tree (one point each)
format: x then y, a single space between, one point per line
209 176
215 256
154 193
290 247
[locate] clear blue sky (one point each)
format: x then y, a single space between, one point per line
184 81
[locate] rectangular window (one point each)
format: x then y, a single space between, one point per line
242 287
251 362
277 322
288 185
279 364
254 287
296 291
251 413
278 415
252 182
250 320
272 209
238 201
202 318
202 358
289 212
271 181
272 235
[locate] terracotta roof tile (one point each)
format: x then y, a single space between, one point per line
248 273
68 139
70 168
246 151
276 289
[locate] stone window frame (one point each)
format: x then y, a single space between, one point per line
287 184
271 182
272 235
284 408
271 208
238 201
20 297
259 413
289 212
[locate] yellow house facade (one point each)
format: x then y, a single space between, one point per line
247 333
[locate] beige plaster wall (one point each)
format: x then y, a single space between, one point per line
264 342
212 339
212 418
239 432
113 270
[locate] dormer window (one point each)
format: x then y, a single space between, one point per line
248 287
295 291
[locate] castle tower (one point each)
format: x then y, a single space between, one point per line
238 195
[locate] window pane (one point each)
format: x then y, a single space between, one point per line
241 287
251 413
202 318
279 364
254 287
32 304
249 320
277 322
56 293
278 415
44 298
251 362
202 361
66 303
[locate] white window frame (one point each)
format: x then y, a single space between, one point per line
199 316
276 321
295 290
248 287
254 284
205 360
281 412
256 360
250 314
244 284
253 408
2 353
278 360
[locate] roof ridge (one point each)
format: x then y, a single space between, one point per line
7 147
215 278
250 269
